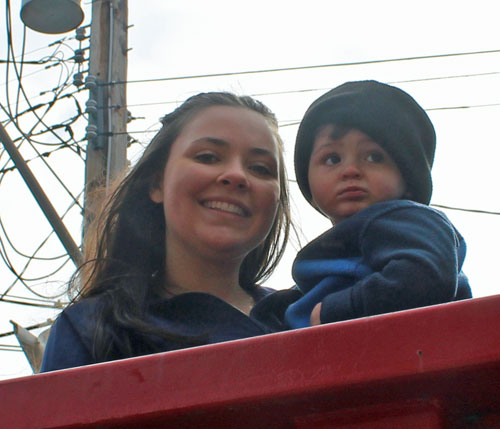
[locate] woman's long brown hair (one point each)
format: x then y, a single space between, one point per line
125 245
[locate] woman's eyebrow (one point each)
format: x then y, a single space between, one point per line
262 151
223 143
214 140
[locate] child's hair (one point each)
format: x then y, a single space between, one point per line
126 268
388 115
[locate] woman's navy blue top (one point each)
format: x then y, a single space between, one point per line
71 339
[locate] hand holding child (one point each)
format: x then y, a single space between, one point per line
315 320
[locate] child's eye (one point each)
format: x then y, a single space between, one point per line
206 157
376 157
333 159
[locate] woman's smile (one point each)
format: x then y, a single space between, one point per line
237 209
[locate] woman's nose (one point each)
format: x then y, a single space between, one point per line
234 175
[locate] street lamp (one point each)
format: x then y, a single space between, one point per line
51 16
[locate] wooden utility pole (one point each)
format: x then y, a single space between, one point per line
107 130
42 200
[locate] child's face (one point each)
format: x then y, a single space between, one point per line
351 173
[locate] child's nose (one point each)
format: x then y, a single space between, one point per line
351 170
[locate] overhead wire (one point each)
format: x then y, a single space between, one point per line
3 230
40 105
310 67
42 158
21 90
21 68
44 155
294 122
441 206
304 90
13 116
20 87
19 276
36 300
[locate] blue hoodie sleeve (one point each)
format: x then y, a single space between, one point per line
416 255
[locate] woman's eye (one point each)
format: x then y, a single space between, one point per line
333 159
375 157
206 158
261 170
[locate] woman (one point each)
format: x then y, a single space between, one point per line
184 240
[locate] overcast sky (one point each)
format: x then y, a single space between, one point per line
195 37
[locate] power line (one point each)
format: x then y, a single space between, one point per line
57 57
36 62
458 76
293 122
298 91
51 302
297 122
475 106
42 158
466 210
42 200
320 66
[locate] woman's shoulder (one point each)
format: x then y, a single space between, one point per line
82 312
70 339
81 317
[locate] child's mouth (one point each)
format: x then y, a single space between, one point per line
352 192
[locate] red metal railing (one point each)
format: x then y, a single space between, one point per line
434 367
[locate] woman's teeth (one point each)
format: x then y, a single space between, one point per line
227 207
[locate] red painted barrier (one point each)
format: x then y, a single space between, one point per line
434 367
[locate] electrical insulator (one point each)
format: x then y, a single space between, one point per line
79 56
91 132
90 82
91 106
80 34
78 79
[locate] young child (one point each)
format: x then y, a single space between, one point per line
363 158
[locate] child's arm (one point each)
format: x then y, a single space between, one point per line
416 254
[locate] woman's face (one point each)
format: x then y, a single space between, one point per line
220 187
